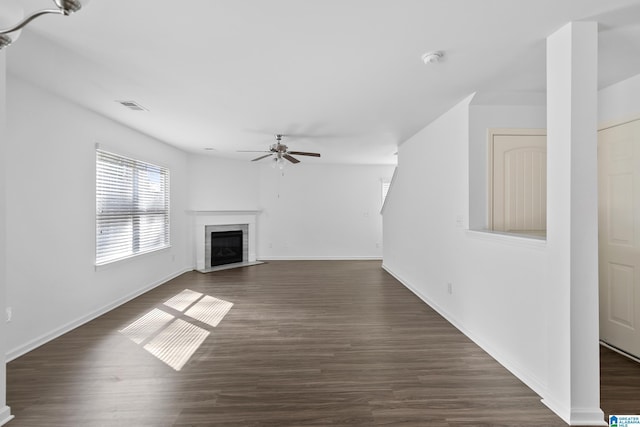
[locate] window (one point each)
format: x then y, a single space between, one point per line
132 207
385 188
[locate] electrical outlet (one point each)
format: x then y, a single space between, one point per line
449 288
9 314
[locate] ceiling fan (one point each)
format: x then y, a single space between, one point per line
280 152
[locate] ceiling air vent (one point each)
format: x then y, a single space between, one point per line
132 105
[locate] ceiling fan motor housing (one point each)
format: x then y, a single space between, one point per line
279 148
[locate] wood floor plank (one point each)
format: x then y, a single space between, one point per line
306 343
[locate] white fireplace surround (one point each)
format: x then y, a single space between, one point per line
237 219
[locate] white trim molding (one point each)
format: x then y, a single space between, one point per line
320 258
5 415
223 213
577 417
510 239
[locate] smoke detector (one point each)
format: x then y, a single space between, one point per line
432 57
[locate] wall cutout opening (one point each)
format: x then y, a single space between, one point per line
518 181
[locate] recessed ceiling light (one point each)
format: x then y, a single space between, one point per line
432 57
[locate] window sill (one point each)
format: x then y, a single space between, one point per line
523 240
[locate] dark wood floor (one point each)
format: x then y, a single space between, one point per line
305 344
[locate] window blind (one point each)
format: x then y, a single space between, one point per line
385 189
132 207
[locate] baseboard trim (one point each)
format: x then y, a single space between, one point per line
5 415
576 417
45 338
521 373
587 417
320 258
619 351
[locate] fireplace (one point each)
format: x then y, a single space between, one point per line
225 244
226 247
207 222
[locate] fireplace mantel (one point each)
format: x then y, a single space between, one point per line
228 212
204 218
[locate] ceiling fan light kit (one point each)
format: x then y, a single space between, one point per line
64 7
278 162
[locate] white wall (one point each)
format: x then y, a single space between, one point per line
52 283
222 184
4 410
481 119
218 184
498 282
321 212
310 212
619 102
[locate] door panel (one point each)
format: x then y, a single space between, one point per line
619 225
519 183
621 295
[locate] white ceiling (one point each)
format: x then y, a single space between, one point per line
341 77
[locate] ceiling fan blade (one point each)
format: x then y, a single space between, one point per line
291 159
304 153
252 151
261 157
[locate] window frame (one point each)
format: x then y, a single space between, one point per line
385 186
130 207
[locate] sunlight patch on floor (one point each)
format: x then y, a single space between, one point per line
176 344
183 300
209 310
174 338
145 326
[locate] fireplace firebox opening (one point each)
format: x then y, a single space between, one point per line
226 247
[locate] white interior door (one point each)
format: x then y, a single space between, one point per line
519 182
619 235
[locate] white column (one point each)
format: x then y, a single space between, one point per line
5 411
572 230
